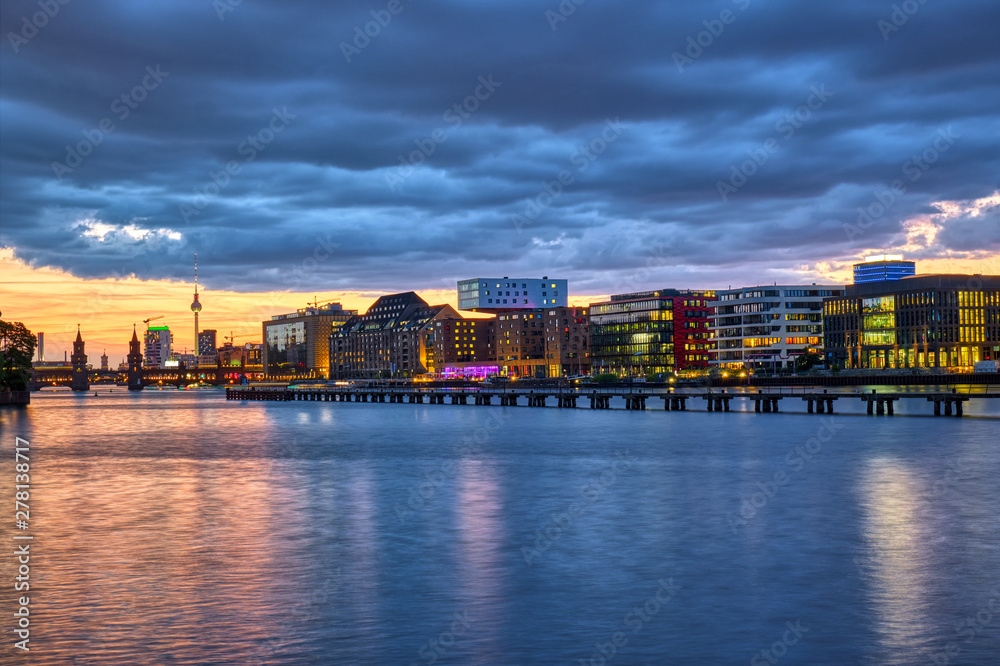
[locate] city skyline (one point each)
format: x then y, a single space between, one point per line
50 301
725 144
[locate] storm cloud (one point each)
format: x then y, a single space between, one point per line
402 144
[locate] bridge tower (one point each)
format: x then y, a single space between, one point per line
134 363
81 378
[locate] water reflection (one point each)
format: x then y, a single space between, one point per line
897 543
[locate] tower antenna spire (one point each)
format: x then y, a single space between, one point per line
196 305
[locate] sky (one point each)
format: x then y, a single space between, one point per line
346 150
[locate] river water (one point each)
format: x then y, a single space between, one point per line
178 528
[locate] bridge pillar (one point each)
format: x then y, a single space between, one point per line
947 407
870 407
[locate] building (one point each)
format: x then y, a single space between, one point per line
544 342
465 348
104 361
134 363
651 332
882 267
81 377
157 346
176 360
502 294
298 343
923 321
207 342
769 327
567 338
41 347
250 354
394 338
693 344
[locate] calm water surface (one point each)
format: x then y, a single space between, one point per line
179 528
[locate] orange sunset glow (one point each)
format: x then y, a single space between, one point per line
53 301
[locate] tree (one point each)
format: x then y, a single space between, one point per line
807 361
17 348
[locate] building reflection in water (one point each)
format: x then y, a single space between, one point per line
898 563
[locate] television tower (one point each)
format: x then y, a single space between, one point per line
196 306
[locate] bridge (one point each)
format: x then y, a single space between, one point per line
817 402
181 376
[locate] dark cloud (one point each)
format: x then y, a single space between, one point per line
437 151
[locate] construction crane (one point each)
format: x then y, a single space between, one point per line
234 338
146 321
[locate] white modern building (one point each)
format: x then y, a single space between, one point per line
506 293
157 347
768 327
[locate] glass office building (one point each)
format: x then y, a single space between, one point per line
924 321
883 267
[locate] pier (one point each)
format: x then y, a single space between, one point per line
766 402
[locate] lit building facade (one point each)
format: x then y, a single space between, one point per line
465 348
651 332
250 354
567 341
883 267
769 327
157 346
693 344
394 338
206 341
298 343
924 321
501 294
545 342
